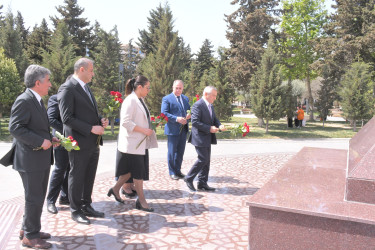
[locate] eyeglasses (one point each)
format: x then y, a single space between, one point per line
148 88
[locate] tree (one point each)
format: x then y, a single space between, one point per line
38 41
107 61
10 83
162 65
59 57
191 80
20 25
78 27
248 33
357 93
132 57
205 57
10 40
302 23
266 88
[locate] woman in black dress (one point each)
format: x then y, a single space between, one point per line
135 125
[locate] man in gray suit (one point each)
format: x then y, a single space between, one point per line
32 153
81 120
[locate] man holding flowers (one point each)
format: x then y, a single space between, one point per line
204 126
175 106
79 114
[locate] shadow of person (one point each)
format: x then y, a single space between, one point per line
185 209
225 179
173 194
237 191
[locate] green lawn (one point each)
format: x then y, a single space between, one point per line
277 129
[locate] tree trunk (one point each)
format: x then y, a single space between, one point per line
112 121
260 122
323 123
354 125
266 126
311 100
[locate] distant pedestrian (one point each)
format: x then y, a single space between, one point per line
300 116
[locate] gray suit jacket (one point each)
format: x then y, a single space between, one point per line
29 126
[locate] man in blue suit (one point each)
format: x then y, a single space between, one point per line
175 107
204 126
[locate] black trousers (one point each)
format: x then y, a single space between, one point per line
35 187
201 166
59 176
83 165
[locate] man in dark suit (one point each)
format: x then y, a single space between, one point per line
204 126
32 156
59 178
80 117
175 107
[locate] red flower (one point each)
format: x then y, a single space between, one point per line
152 118
113 93
70 138
166 118
158 117
118 94
118 99
197 96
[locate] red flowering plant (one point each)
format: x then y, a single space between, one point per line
240 129
67 142
155 122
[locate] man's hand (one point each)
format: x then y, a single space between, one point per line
188 117
148 131
181 120
105 122
56 142
97 130
46 144
222 128
214 129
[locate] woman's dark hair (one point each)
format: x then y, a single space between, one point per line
132 84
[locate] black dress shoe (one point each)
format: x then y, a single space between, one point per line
180 175
89 211
174 177
128 195
64 201
139 207
110 192
190 185
52 208
205 187
80 218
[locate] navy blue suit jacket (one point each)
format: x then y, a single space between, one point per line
172 109
201 122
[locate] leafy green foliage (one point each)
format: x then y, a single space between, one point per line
357 93
38 41
10 83
59 57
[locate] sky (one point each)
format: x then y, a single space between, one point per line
195 20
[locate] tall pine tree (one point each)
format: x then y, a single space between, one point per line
11 41
38 41
162 66
248 30
266 88
205 57
78 27
59 57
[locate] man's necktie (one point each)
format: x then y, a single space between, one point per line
182 107
210 109
87 90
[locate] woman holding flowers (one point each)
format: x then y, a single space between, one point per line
132 160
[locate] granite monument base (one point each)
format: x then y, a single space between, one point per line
303 207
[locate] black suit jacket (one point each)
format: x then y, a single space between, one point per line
201 122
78 114
53 113
29 126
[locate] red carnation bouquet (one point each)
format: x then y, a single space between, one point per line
67 142
113 104
240 129
155 122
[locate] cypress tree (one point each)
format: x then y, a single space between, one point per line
205 57
38 41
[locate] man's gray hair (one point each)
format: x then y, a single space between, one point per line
82 62
209 89
178 81
34 73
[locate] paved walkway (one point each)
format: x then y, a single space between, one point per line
182 219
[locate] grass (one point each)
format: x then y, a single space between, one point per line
277 129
